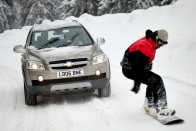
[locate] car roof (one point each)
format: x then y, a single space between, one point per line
55 25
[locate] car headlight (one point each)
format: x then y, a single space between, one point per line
99 59
35 65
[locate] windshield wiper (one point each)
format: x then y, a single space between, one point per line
69 41
49 42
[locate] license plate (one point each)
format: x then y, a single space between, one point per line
70 73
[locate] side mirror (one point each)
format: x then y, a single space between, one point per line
100 41
18 49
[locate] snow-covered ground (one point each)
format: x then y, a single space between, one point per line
122 111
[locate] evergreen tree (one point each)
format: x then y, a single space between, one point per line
17 13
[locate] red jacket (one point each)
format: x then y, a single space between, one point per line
146 46
139 54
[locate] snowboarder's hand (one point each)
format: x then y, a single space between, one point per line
135 89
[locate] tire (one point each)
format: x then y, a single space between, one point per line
30 99
105 92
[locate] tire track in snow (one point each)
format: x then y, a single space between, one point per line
102 109
180 81
9 96
9 81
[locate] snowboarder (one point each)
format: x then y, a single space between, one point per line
137 65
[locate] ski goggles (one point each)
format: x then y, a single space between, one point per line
161 43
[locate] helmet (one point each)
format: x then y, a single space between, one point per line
161 37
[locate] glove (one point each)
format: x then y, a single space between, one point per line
136 87
148 66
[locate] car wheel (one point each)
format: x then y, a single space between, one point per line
105 92
30 99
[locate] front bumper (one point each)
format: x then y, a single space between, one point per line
68 86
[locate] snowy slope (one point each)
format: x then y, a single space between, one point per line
122 111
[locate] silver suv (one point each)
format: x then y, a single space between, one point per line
63 58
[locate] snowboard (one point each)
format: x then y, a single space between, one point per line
166 120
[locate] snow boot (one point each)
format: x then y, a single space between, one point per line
166 112
161 111
148 103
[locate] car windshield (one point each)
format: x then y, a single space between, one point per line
68 36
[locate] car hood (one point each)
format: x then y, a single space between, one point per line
63 53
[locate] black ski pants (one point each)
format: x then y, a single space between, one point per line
155 90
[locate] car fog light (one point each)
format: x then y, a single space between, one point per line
98 72
40 78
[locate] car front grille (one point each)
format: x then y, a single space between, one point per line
68 60
61 64
66 80
64 67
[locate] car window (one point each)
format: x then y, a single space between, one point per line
69 36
